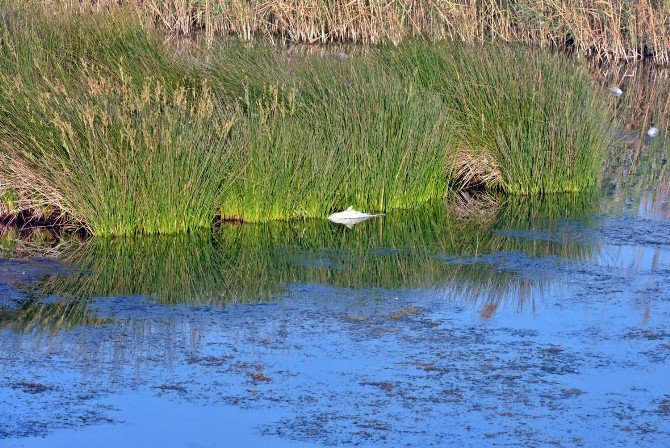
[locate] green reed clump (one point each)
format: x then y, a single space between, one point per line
102 123
111 134
520 121
122 149
117 158
335 137
322 135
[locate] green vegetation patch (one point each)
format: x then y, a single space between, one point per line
102 121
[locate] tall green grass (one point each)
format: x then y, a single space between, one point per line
101 122
520 121
98 120
128 161
374 144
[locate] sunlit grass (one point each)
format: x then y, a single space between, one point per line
521 121
104 126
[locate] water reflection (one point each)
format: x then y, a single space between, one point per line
448 248
639 182
443 247
637 178
402 313
644 98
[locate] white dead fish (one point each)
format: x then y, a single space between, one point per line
653 131
616 91
350 217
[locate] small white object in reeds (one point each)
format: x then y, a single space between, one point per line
653 131
616 91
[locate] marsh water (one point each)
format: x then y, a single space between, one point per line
475 321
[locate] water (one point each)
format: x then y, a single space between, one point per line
479 322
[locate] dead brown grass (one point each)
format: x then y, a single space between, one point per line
472 170
606 30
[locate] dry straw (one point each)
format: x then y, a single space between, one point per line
606 30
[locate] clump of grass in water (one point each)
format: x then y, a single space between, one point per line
538 118
119 152
520 121
372 142
161 146
146 151
120 159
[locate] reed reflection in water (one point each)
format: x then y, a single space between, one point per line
637 177
438 247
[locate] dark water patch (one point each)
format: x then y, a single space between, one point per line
31 387
664 406
628 230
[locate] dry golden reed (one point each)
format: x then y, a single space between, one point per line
606 30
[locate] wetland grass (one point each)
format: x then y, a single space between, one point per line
101 124
127 160
522 122
374 143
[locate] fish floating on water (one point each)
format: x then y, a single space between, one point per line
350 217
616 91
